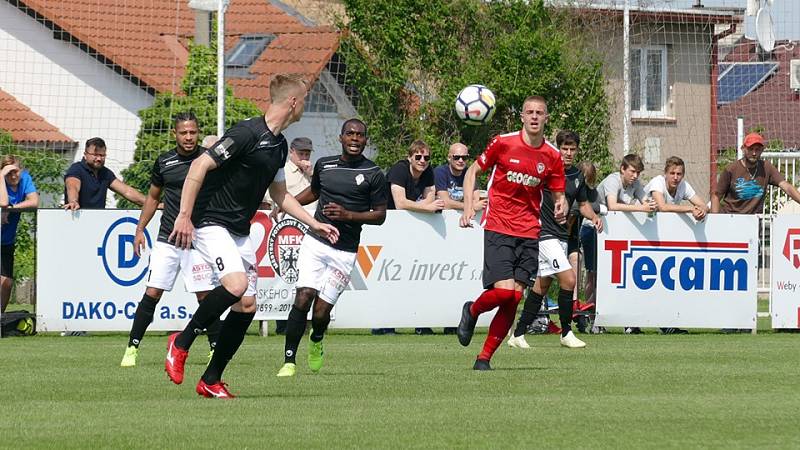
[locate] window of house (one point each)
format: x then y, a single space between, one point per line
648 78
319 100
245 53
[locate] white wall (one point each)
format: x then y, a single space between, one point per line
68 88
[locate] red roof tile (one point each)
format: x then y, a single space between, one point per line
25 125
141 37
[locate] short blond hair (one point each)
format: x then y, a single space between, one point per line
282 86
417 146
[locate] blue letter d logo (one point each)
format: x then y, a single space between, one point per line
126 242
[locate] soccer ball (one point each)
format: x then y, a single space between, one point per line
475 104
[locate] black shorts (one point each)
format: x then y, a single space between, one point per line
573 245
509 258
7 260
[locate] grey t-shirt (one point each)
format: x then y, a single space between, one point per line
612 184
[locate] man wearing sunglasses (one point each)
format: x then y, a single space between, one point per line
449 179
411 187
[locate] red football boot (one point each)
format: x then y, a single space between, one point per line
216 390
176 358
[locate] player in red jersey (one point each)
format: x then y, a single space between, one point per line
522 164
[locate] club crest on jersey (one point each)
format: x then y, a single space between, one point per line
359 179
577 183
522 178
284 247
540 167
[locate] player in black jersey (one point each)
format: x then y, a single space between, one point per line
351 191
553 259
220 196
169 171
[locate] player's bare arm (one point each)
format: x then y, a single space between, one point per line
148 211
560 208
587 211
335 211
127 191
73 185
183 230
469 192
289 204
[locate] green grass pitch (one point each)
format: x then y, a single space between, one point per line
699 390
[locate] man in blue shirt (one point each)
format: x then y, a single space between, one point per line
87 181
16 191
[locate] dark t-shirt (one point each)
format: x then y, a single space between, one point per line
575 189
169 172
400 174
248 157
92 194
357 186
743 191
446 181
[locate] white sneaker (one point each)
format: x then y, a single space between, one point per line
518 342
571 341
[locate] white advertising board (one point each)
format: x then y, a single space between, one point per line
785 276
415 270
669 271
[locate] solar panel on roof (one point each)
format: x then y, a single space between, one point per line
739 79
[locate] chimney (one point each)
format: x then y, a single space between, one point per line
202 19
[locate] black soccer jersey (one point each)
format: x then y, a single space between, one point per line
576 189
248 157
169 172
357 186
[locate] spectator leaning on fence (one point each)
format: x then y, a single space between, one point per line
87 181
17 191
620 191
411 186
741 187
670 189
449 179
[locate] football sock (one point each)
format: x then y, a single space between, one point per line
565 310
212 332
295 328
215 303
489 300
318 326
230 339
533 303
501 323
142 319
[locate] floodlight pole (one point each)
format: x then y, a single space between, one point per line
626 78
222 7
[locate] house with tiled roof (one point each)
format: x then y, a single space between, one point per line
756 86
88 66
28 129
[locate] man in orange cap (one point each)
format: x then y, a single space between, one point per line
743 184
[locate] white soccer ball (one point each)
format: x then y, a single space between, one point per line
475 104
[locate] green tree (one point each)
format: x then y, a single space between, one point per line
401 49
47 169
199 95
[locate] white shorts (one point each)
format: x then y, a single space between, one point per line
165 262
227 253
552 257
324 268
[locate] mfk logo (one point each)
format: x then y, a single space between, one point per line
679 265
791 247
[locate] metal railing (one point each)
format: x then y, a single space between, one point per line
787 164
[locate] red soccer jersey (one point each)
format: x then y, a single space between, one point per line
519 174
